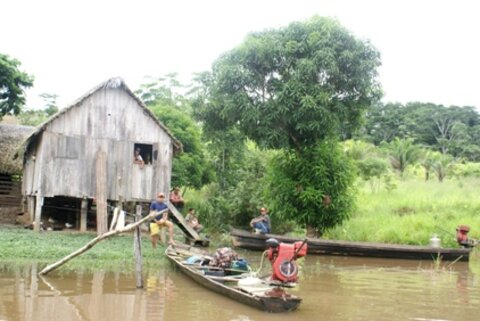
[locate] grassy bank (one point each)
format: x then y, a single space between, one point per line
19 246
409 214
413 212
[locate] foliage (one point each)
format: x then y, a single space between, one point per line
402 152
13 82
190 168
314 191
163 96
291 87
453 129
35 117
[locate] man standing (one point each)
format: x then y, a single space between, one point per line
160 221
262 223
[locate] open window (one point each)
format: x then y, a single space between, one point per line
145 153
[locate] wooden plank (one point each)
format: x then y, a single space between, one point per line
101 176
187 229
137 245
38 213
83 215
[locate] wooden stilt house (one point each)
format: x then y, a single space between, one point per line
84 155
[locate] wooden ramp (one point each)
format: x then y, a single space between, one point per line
192 236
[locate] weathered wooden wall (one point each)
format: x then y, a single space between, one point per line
63 160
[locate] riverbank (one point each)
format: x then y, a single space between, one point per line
19 246
413 212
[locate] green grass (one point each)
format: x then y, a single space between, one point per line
413 212
20 246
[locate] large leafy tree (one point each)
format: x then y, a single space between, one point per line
292 88
13 83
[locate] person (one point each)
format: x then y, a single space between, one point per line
261 223
192 220
137 158
176 199
160 221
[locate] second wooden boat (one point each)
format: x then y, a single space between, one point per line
252 241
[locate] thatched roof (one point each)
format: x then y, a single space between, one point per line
11 138
113 83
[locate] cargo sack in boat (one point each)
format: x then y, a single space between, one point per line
224 257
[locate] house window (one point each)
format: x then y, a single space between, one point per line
142 154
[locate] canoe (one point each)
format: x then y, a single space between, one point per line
252 241
263 296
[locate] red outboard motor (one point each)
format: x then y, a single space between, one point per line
462 236
283 256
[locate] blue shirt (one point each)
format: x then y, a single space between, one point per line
158 206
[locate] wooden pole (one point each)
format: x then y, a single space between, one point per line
83 215
38 213
101 173
99 238
137 245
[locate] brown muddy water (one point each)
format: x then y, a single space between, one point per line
332 288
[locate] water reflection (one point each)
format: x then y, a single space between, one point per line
332 288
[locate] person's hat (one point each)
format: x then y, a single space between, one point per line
263 209
161 195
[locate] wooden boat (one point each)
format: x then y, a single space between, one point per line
262 295
252 241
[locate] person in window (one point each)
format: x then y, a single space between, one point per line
137 158
176 199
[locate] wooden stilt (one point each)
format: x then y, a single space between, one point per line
38 213
83 215
137 245
30 209
101 173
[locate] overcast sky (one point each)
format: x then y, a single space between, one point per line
430 50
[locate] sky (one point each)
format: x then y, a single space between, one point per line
429 49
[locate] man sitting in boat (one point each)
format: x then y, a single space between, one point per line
261 223
160 220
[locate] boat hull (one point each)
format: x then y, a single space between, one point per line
251 241
270 301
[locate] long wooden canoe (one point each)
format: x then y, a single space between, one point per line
252 241
264 296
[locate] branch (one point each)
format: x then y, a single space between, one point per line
99 238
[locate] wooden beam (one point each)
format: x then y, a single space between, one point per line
38 213
83 215
137 245
101 174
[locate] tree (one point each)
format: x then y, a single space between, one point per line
13 82
190 168
319 196
290 88
402 152
295 88
34 117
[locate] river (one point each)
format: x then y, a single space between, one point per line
332 288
